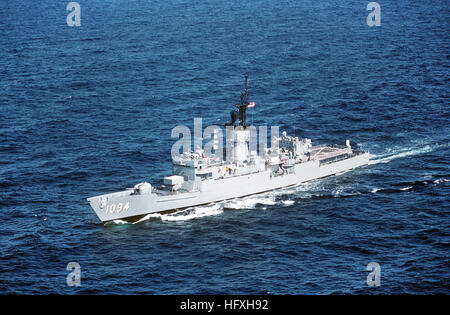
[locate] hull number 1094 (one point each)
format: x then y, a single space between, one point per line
117 207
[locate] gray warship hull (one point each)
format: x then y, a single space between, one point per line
131 206
201 177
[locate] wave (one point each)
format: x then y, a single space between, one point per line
400 153
342 192
181 215
251 202
408 186
441 181
186 214
194 213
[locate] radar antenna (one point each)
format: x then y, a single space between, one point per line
242 106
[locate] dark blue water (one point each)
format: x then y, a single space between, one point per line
89 110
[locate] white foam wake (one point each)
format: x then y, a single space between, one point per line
288 202
187 214
441 181
217 208
194 213
400 153
250 202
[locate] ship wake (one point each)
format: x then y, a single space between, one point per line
392 154
287 197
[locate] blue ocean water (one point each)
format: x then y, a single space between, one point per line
89 110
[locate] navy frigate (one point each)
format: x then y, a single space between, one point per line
200 179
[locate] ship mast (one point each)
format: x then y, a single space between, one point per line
241 114
246 85
242 106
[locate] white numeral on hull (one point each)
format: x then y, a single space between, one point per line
117 207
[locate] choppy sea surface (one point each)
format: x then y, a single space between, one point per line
89 110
